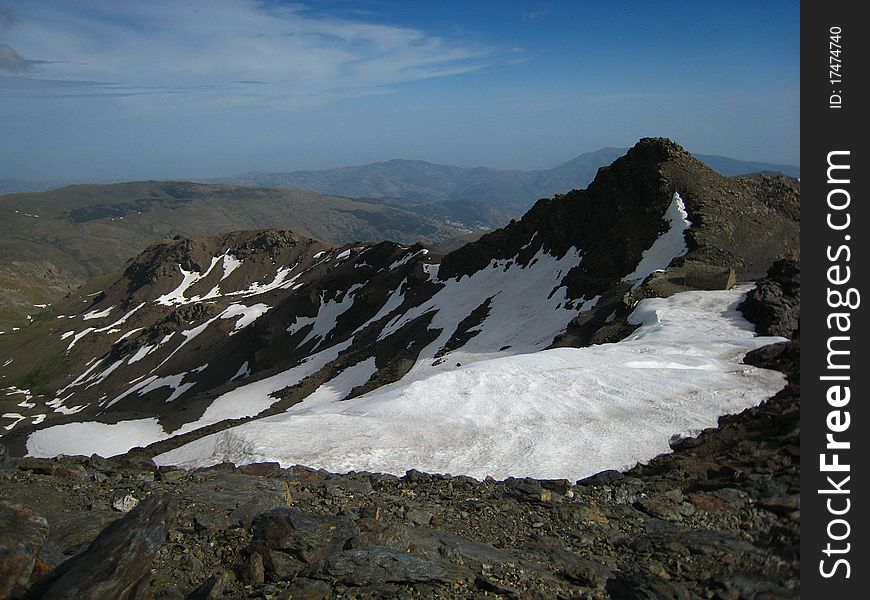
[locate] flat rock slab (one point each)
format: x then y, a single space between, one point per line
233 499
73 532
431 544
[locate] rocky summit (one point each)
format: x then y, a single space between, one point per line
249 346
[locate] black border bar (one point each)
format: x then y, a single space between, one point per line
835 223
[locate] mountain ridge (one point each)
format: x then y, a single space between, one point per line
201 320
51 242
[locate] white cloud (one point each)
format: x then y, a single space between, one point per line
217 51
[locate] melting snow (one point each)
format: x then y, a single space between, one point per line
189 278
667 246
16 419
243 372
245 314
94 438
405 259
77 337
253 398
279 281
94 314
231 263
531 414
140 354
327 315
128 334
518 316
172 381
338 387
107 329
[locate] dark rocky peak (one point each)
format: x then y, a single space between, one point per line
611 222
741 223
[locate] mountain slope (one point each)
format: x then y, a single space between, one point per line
51 242
199 334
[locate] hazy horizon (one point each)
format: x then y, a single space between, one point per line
106 91
252 171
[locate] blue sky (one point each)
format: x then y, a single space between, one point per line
100 90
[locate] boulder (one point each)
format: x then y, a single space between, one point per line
118 563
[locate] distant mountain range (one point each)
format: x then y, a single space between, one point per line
513 189
53 241
425 181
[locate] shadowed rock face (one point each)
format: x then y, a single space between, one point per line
775 303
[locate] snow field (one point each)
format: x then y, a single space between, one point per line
556 413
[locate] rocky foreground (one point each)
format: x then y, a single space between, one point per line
717 518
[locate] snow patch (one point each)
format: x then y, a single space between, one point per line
245 315
94 438
667 246
253 398
231 263
242 373
94 314
141 353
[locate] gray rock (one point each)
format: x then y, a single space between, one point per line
284 566
431 544
252 571
73 532
212 588
117 564
502 591
309 538
223 492
419 516
581 570
382 565
22 535
303 588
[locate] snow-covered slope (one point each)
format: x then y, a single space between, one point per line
567 412
563 412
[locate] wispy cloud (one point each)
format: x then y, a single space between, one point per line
11 61
533 15
219 50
